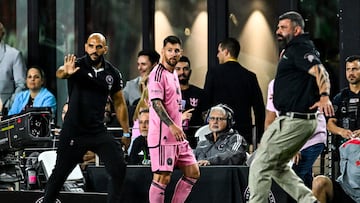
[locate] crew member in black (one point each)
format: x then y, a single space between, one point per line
91 80
232 84
192 101
346 122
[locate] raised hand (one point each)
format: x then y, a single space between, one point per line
69 64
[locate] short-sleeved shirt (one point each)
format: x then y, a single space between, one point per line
193 98
347 112
88 93
295 90
347 109
163 85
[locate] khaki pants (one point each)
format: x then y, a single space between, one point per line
280 142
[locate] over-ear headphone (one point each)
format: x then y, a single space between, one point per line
229 115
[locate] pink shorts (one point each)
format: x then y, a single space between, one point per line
166 157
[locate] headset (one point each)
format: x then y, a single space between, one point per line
229 115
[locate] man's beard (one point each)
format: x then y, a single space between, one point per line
96 62
168 61
184 81
284 41
354 81
282 44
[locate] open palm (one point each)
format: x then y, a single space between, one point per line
69 64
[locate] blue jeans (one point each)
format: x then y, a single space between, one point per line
308 156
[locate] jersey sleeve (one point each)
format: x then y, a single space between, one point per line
118 82
306 58
156 85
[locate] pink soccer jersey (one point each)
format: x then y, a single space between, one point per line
163 85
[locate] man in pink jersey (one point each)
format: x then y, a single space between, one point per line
167 142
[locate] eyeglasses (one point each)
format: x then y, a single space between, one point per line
217 119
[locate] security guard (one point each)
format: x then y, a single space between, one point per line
346 122
91 79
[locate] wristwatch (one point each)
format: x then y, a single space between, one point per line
324 94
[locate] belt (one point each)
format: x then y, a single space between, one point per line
306 116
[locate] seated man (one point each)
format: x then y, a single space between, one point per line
140 143
347 186
224 145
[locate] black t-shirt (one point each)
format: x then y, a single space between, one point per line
88 93
347 112
347 109
139 144
193 98
295 90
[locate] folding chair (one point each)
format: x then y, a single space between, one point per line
201 132
74 182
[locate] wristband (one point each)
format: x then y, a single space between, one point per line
127 135
324 94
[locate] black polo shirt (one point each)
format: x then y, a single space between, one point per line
88 91
295 90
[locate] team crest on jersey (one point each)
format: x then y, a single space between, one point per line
194 102
169 161
109 80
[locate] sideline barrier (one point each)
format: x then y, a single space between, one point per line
225 184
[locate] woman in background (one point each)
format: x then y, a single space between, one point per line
36 95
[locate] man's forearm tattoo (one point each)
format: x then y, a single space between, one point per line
161 112
323 79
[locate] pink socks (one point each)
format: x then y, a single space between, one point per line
183 189
157 192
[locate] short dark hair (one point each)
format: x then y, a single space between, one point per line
152 54
172 40
41 71
232 45
294 17
352 58
185 59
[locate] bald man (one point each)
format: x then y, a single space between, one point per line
91 80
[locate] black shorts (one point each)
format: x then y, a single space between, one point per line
340 195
